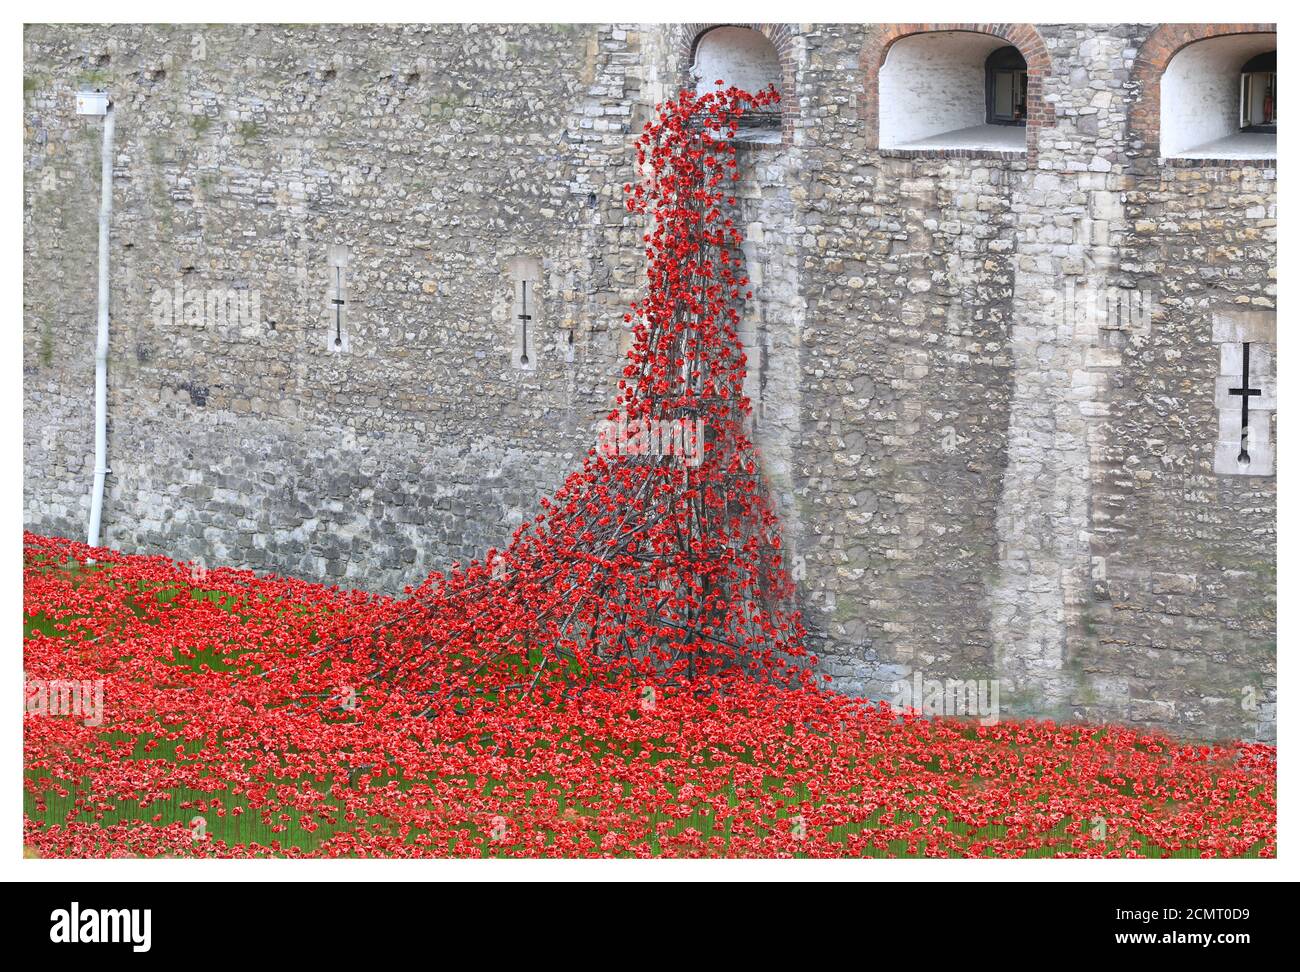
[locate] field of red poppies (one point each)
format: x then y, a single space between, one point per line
628 677
225 731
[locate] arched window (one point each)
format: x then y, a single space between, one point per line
1218 99
953 89
743 57
1259 94
1006 87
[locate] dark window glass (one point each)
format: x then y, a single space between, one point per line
1006 87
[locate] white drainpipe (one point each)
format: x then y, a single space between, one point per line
101 339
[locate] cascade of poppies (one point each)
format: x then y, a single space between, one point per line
660 556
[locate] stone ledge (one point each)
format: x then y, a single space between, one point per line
1006 155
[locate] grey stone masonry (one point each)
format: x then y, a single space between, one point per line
367 309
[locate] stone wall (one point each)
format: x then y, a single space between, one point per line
244 155
987 383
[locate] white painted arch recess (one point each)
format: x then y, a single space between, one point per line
1200 100
735 55
932 94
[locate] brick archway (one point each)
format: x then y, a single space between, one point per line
1024 37
782 38
1152 58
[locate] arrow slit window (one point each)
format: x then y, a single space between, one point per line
1245 392
337 338
525 312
